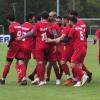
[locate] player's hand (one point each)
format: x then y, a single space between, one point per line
94 41
18 39
57 40
48 40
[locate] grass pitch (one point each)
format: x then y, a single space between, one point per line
12 91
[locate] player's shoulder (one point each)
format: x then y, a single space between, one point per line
27 24
54 24
80 21
98 30
15 25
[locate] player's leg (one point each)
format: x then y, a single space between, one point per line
84 68
40 67
78 72
52 56
56 70
66 56
22 66
49 66
19 73
6 70
60 70
67 73
77 60
11 53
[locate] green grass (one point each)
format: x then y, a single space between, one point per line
12 91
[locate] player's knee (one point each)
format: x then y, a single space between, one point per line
20 61
40 62
62 62
9 59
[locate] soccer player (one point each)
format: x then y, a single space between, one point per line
97 37
82 24
55 28
79 44
65 52
14 51
66 56
28 43
61 48
34 73
43 49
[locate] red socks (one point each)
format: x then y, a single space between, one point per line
6 70
85 69
65 69
78 72
23 69
41 71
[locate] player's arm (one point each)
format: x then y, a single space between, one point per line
62 38
12 38
95 40
27 35
55 35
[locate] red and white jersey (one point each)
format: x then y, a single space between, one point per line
14 28
29 42
42 33
97 33
78 35
82 24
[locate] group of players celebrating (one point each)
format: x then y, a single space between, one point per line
52 41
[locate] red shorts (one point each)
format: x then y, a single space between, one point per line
17 52
46 54
27 54
67 53
79 55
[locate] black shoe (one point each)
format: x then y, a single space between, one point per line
89 77
47 79
2 82
31 77
23 82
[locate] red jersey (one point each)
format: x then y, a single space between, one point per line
97 33
57 28
42 33
82 24
66 32
15 28
29 42
78 35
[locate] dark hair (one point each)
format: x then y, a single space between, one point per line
44 15
73 19
73 12
11 17
29 16
38 18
